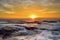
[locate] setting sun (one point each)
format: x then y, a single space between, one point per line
33 16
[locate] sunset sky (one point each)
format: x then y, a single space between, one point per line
26 8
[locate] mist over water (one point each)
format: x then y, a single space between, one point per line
24 20
46 30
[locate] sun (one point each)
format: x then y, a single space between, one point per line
33 16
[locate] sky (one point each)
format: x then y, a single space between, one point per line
25 8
